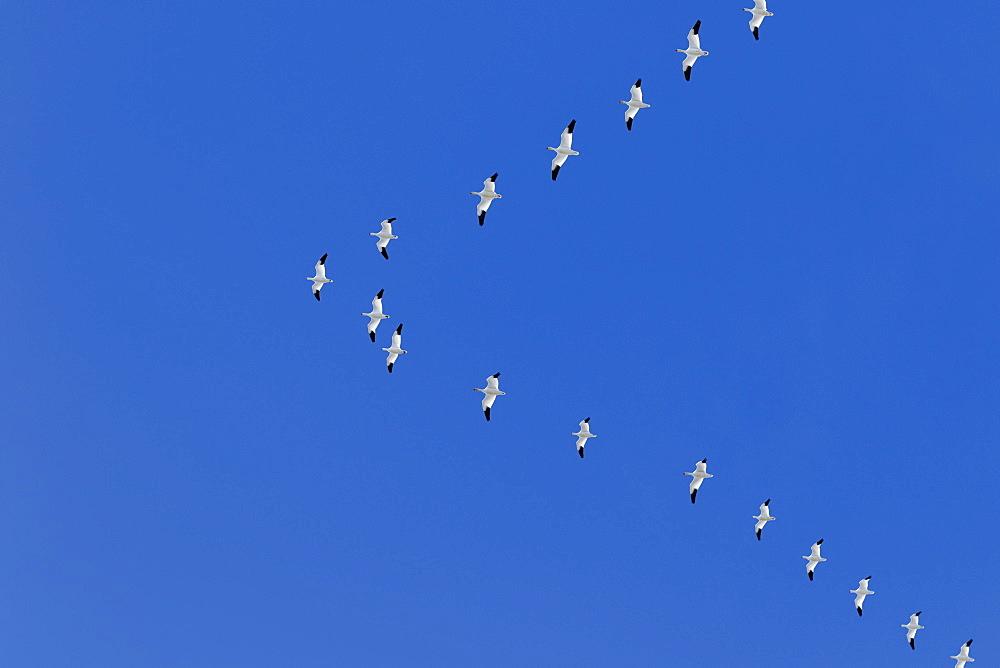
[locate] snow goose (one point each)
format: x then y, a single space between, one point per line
320 278
394 350
583 435
860 593
912 627
693 51
697 477
759 11
763 518
813 558
486 197
963 656
565 149
376 316
635 104
491 392
384 235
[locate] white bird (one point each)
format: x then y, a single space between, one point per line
813 558
565 149
912 628
394 350
763 518
376 316
491 392
635 104
320 278
693 51
963 656
697 477
860 593
486 197
583 435
759 11
384 235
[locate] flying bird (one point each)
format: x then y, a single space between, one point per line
693 51
634 104
813 558
583 435
565 149
860 593
697 477
759 11
486 197
763 518
912 628
491 392
384 235
394 350
963 656
320 278
376 316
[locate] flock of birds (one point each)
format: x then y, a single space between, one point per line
492 389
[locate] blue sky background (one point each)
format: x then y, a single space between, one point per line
787 267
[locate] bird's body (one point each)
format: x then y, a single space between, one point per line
486 197
490 392
564 150
394 350
384 236
963 656
583 435
764 517
911 629
634 104
376 316
697 477
814 558
693 52
320 278
759 11
860 593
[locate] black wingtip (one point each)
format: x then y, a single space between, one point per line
322 260
917 614
371 335
555 172
704 461
912 646
768 502
628 123
389 220
399 330
638 83
390 366
316 294
494 177
587 420
819 542
687 74
969 644
755 36
482 218
380 292
697 26
385 253
572 124
860 614
693 495
496 375
487 411
581 453
810 576
758 534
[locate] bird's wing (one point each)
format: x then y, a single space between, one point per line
488 400
316 288
489 186
688 64
484 204
492 383
386 227
397 339
321 269
815 550
636 91
694 40
760 4
581 441
559 160
566 139
756 20
377 306
391 359
701 467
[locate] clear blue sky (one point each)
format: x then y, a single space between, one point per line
789 267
